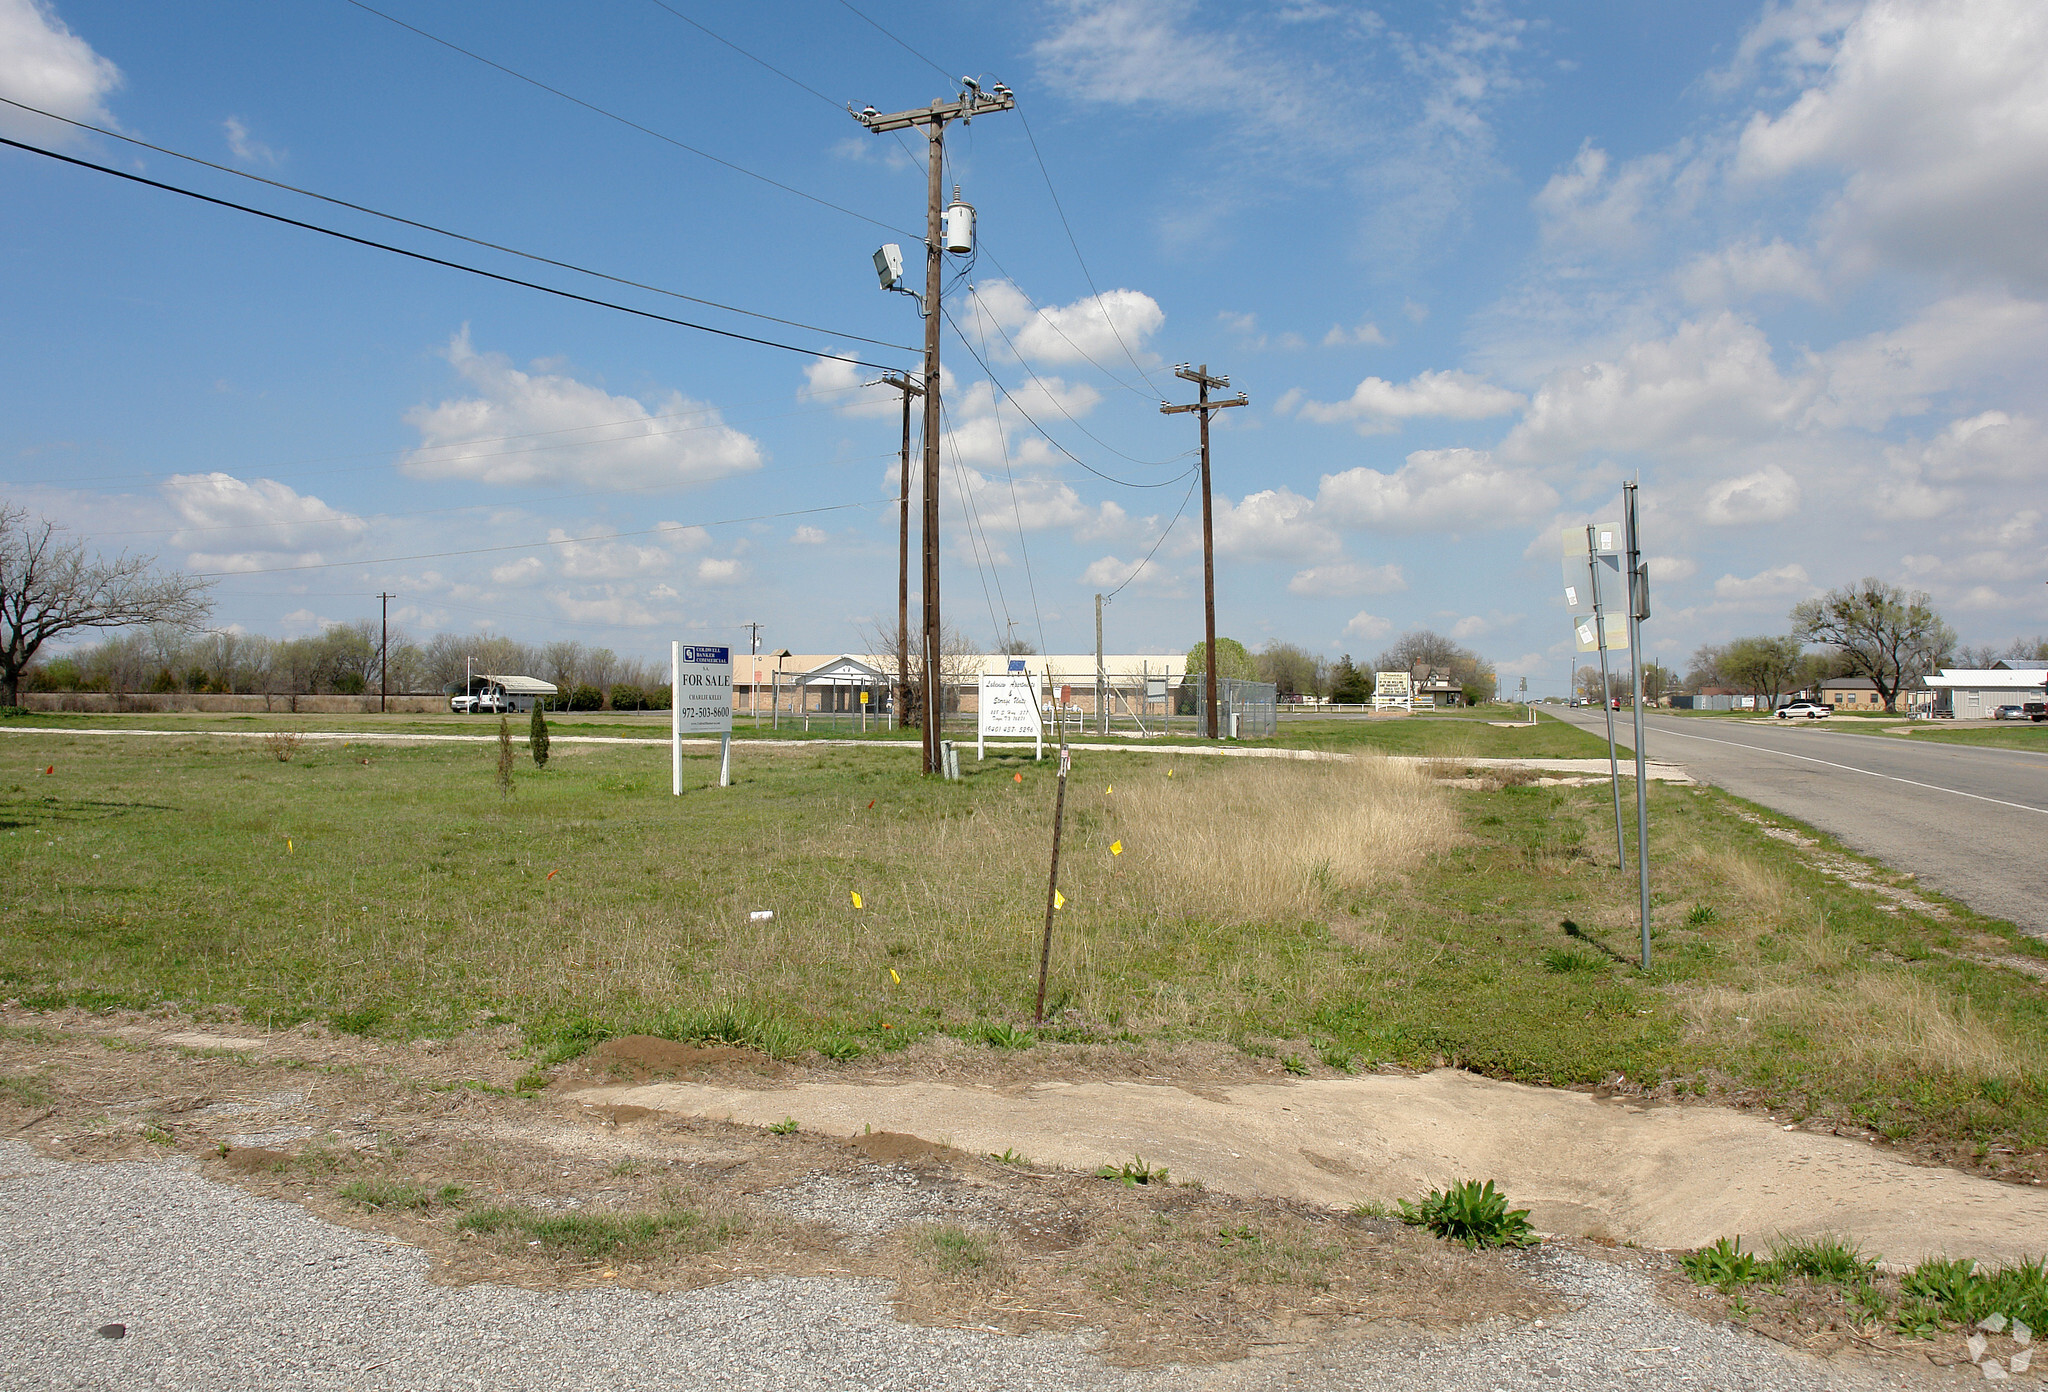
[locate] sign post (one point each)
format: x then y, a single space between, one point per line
1638 610
1591 552
700 703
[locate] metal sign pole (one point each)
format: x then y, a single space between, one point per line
675 720
1606 705
1638 610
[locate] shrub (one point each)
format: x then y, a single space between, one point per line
1472 1213
627 697
586 698
537 737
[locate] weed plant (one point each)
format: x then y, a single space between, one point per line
1472 1213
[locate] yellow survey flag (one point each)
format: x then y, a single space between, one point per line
895 978
856 897
1059 900
1116 848
288 846
1110 789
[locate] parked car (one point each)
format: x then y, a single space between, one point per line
2008 713
2036 711
483 703
1806 710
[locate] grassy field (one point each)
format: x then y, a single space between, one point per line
1340 915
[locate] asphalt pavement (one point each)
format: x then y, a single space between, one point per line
1971 822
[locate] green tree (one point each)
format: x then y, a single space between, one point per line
1883 632
1764 666
1348 685
1232 661
537 737
504 754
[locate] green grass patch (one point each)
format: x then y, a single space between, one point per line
402 897
1445 735
24 1091
604 1236
399 1194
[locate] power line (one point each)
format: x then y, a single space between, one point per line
1017 513
969 516
1156 544
750 57
1045 315
530 545
1071 241
458 236
1050 394
622 120
942 72
437 260
1007 396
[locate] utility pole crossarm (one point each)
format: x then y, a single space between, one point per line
1166 409
974 102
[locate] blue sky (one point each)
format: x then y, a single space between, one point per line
1474 264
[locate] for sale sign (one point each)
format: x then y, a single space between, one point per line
703 690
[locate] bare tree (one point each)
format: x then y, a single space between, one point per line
50 586
1883 632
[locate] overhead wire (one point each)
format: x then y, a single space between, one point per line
942 72
750 57
969 515
1011 398
1074 242
1164 533
532 545
438 260
1017 511
457 236
622 120
1053 396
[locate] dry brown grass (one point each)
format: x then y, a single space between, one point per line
1204 904
1785 971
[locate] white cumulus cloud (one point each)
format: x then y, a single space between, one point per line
1377 406
1768 495
1099 328
569 432
1440 490
1775 583
43 64
1370 627
1348 578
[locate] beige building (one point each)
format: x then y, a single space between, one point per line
851 682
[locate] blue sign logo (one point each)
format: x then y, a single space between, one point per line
690 654
1016 664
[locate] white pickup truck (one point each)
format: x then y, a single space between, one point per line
483 703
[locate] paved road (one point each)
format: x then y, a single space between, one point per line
1970 822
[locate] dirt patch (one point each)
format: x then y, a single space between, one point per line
896 1148
540 1190
643 1056
1602 1167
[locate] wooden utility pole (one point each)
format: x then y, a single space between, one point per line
970 103
901 382
753 672
384 655
1101 680
1203 381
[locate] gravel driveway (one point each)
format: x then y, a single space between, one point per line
217 1289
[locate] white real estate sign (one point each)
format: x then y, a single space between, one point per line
700 703
1009 710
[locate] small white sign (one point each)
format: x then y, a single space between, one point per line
703 691
1009 706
